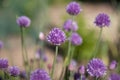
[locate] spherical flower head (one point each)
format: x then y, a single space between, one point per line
102 20
39 74
56 36
14 71
23 75
23 21
73 8
113 65
3 63
96 68
70 25
72 65
76 39
81 70
114 76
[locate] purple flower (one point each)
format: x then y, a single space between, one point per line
75 39
3 63
96 68
77 76
39 74
114 77
23 75
113 65
70 25
102 20
81 70
72 65
1 44
14 71
56 36
73 8
23 21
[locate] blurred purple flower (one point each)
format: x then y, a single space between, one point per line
14 71
56 36
96 68
39 53
72 65
3 63
44 58
114 77
76 39
81 69
23 75
39 74
77 76
23 21
73 8
102 20
70 25
113 65
1 44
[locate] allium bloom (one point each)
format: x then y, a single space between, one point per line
75 39
56 36
70 25
114 77
96 68
113 65
81 69
1 44
14 71
73 8
3 63
23 75
23 21
39 74
102 20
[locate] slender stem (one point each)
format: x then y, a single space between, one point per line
96 78
22 44
54 62
98 43
80 77
72 52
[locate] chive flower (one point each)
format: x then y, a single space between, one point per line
14 71
73 8
75 39
56 36
23 21
3 63
96 68
102 20
70 25
113 65
114 76
39 74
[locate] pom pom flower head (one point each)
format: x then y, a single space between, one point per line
96 68
23 21
39 74
75 39
70 25
102 20
56 36
73 8
114 76
14 71
3 63
113 65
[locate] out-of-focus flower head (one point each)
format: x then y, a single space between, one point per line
23 74
73 8
81 69
102 20
14 71
41 36
3 63
39 74
114 76
76 39
72 65
70 25
23 21
96 68
56 36
113 65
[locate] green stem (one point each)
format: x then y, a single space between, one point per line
72 52
80 77
54 62
98 43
